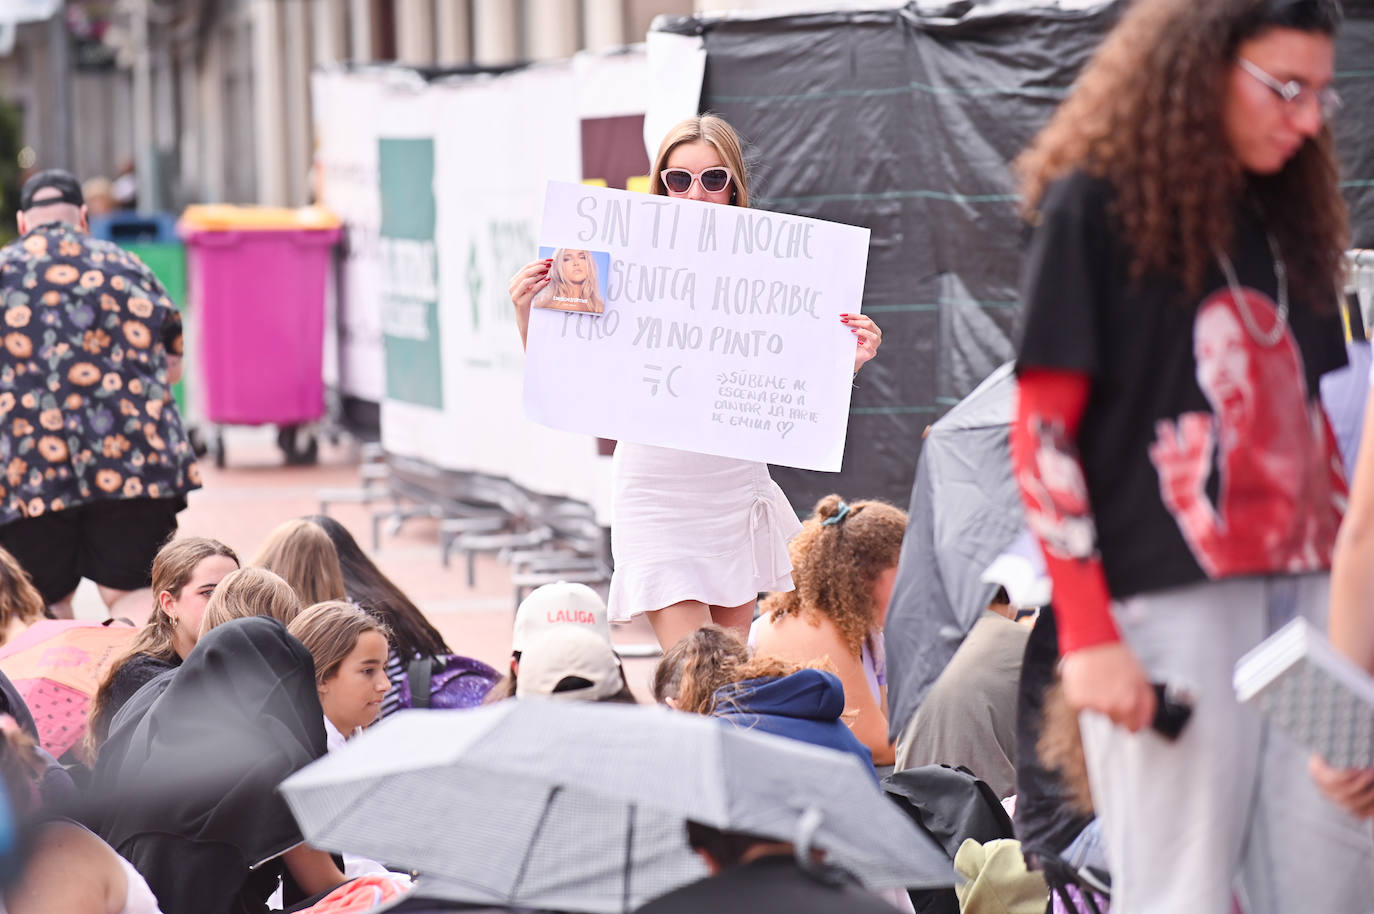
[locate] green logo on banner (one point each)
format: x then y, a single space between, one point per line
410 273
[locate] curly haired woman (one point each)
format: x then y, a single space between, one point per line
843 563
1180 293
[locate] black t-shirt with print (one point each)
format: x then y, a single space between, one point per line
1205 451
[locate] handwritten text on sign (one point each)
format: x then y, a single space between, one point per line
721 332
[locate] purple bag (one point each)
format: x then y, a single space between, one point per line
446 681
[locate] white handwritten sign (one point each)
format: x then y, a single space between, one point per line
721 332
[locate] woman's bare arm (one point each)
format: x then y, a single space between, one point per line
314 870
524 285
800 642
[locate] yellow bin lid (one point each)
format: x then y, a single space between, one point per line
229 217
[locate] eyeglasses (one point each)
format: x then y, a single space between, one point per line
1294 93
712 180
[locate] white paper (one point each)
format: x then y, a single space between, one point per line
676 71
721 332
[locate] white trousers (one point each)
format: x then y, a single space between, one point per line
1228 806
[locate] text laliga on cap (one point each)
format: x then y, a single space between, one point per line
555 605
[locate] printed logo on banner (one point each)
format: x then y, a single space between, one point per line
410 272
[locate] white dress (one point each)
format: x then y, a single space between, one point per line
688 526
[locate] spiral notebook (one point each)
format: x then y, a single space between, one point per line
1318 697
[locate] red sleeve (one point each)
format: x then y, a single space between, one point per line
1049 474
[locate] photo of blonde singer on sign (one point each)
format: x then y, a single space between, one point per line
577 280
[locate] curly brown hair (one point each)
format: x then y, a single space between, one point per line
834 566
1146 115
695 668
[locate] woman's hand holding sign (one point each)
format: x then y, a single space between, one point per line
869 337
524 285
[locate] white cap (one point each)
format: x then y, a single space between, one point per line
554 655
558 606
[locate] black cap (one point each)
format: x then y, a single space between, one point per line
69 189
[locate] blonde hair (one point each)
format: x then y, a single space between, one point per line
305 557
19 599
330 630
250 591
172 569
716 132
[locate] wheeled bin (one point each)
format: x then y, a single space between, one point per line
258 277
153 238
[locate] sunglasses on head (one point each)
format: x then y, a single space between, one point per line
712 180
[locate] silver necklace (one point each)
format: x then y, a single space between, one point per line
1281 277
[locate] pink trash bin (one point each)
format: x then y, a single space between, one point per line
258 276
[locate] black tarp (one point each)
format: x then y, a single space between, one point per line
905 122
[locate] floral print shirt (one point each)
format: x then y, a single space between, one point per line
86 411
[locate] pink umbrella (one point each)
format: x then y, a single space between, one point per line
56 666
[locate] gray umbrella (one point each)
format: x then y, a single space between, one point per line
581 807
964 512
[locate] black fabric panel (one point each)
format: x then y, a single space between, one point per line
905 122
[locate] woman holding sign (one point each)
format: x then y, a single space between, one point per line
695 537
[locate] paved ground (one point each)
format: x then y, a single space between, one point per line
241 503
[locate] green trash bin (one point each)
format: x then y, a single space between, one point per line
153 238
168 261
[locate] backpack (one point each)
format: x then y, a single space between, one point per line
446 681
950 805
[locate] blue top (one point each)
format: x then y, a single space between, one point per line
804 706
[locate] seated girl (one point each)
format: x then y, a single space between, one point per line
350 649
189 774
68 868
303 555
710 672
412 635
185 574
21 604
843 562
250 591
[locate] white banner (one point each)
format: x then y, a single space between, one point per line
489 173
352 110
721 330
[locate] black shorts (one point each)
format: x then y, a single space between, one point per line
111 542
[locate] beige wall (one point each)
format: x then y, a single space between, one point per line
232 115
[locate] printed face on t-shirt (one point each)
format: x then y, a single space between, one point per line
1278 489
1223 361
